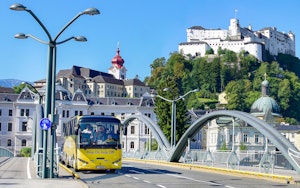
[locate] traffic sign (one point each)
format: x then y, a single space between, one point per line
45 123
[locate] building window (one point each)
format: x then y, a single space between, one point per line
24 126
76 112
68 114
9 142
0 112
245 137
112 114
132 145
132 129
9 112
23 142
63 113
0 126
256 138
9 127
148 115
22 112
147 130
102 114
92 113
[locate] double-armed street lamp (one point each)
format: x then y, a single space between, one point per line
51 78
173 114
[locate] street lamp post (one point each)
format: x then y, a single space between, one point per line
51 77
173 114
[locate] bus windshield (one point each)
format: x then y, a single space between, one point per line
99 133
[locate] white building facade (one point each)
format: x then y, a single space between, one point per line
79 91
18 110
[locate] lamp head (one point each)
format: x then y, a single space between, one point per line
91 11
18 7
21 36
80 39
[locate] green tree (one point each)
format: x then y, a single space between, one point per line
243 147
236 95
284 94
210 51
224 147
25 152
163 108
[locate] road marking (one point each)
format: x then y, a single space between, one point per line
138 172
188 178
28 169
146 181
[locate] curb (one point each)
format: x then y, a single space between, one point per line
69 171
74 175
265 176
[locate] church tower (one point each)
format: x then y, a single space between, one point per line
117 69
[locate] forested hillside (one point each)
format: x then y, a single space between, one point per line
239 75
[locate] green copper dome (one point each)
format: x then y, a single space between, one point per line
265 104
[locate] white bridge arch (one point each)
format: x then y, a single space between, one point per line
289 151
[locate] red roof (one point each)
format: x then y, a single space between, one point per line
118 61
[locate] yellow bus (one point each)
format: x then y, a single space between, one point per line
92 143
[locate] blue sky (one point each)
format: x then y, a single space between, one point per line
145 30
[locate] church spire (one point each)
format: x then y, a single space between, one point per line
118 61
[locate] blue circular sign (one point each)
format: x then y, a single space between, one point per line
45 123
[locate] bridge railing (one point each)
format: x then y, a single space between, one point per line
220 158
295 155
151 155
4 152
216 158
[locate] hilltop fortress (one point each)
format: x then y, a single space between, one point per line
236 39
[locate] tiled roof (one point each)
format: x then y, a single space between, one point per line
134 81
6 90
8 97
105 79
288 128
77 71
119 101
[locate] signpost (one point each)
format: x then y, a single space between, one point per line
45 123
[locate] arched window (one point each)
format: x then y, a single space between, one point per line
23 142
132 145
